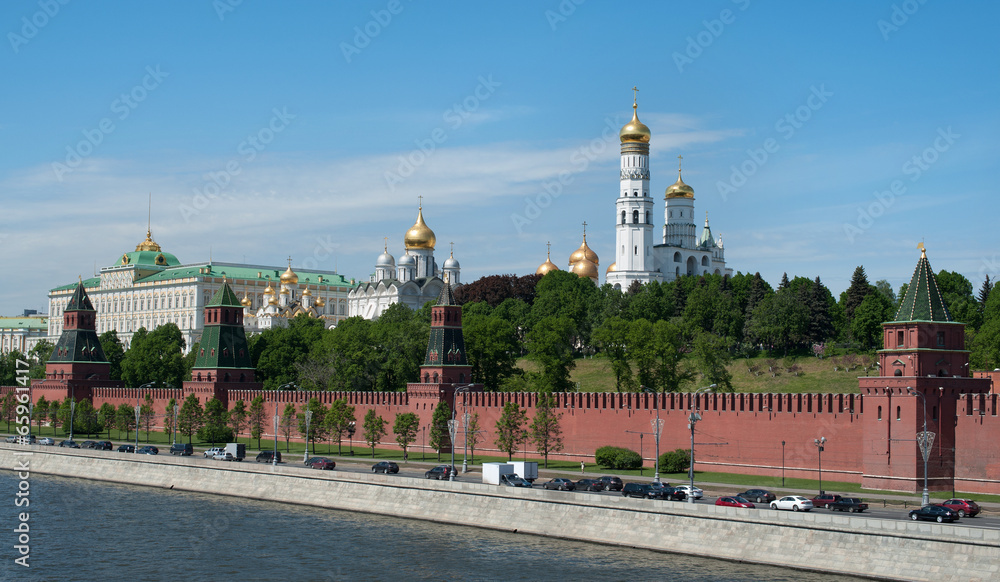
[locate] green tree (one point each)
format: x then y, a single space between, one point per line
510 430
374 429
147 415
405 428
114 351
339 421
475 435
545 430
439 428
168 420
85 419
41 412
124 419
866 327
614 338
8 405
191 417
279 350
712 356
215 426
492 346
550 344
238 418
564 295
779 322
107 415
156 356
54 417
317 424
671 369
287 423
400 341
37 358
257 418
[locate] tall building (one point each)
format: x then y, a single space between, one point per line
22 333
413 281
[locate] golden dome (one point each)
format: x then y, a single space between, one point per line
269 290
246 301
307 292
320 302
635 130
284 291
289 277
548 265
148 244
272 301
584 252
612 268
586 268
679 189
420 236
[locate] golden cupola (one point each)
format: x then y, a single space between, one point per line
611 268
307 292
289 277
586 268
148 244
269 290
420 236
320 302
584 252
679 189
246 301
634 131
548 265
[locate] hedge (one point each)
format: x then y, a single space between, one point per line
617 458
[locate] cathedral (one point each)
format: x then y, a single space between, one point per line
413 281
638 255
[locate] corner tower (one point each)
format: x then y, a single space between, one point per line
446 362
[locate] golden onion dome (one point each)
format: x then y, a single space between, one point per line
679 189
420 236
284 291
585 268
320 302
307 293
289 277
246 301
546 267
269 290
273 300
612 268
635 130
584 252
148 244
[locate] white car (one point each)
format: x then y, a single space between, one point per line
223 456
210 453
692 492
46 441
793 502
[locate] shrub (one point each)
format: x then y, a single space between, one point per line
215 434
617 458
675 461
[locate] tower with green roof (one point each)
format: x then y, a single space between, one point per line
924 366
223 360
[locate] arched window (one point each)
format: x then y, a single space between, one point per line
623 217
880 413
635 217
647 218
897 373
435 377
634 194
899 416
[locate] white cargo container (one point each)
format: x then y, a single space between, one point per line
528 470
493 471
237 450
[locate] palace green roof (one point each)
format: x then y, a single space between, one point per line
231 272
923 300
39 323
148 258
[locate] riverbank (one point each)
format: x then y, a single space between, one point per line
885 549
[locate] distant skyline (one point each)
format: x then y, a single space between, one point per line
818 137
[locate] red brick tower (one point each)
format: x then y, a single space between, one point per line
923 363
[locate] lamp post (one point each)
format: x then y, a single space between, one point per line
451 432
693 418
657 425
177 409
274 456
465 428
423 443
782 463
308 415
72 407
819 450
925 447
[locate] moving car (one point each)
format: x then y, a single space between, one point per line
181 449
691 491
825 499
938 513
612 483
793 502
210 453
963 507
320 463
148 450
69 444
104 446
590 485
268 456
223 456
511 480
123 448
736 501
560 484
89 445
46 441
758 495
385 467
638 490
440 472
661 490
852 504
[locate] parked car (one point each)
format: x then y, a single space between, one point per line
938 513
320 463
210 453
735 501
69 444
560 484
612 483
88 445
104 446
639 490
10 439
268 456
223 456
122 448
963 507
661 490
692 491
590 485
793 502
440 472
148 450
47 441
852 504
23 440
184 449
825 499
385 467
514 481
758 495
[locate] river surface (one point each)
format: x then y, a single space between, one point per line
87 530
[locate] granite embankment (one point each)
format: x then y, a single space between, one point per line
885 549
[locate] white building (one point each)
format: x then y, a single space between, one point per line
22 333
640 255
413 281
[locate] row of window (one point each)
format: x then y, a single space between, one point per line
635 217
899 415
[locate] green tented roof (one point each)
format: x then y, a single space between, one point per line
923 298
225 297
79 301
446 297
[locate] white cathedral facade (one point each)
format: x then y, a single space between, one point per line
642 254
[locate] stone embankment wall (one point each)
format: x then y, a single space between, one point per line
887 549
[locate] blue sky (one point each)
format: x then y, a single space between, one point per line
266 130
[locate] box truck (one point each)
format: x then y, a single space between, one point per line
493 471
527 470
237 450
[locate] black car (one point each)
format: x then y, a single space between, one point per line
662 490
268 456
385 467
184 449
590 485
104 446
612 483
125 448
640 490
758 495
148 450
440 472
851 504
89 445
560 484
938 513
69 444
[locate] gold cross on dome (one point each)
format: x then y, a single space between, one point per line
421 203
635 91
584 228
386 243
679 159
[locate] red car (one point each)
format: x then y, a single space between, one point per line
963 507
734 502
321 463
825 499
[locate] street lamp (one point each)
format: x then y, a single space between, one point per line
693 418
423 443
925 446
465 423
309 415
274 457
657 425
137 409
819 450
72 407
177 409
451 432
782 463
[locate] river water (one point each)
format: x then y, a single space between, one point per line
85 530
